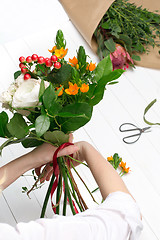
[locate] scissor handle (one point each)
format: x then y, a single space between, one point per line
128 130
138 134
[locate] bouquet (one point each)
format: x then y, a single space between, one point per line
123 29
126 31
49 99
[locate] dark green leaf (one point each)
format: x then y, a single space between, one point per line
42 89
17 126
3 123
73 123
62 76
31 142
49 97
17 74
42 124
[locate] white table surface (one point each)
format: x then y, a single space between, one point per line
30 27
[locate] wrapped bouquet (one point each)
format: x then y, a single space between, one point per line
49 99
126 30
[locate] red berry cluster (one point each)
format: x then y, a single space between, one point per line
49 62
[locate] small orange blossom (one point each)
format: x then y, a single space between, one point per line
72 90
84 88
61 53
91 66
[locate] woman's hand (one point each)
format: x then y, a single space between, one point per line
45 154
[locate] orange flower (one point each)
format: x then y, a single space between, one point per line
61 53
110 158
73 89
73 61
53 49
123 166
61 92
91 66
84 88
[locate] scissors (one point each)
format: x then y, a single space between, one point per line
129 127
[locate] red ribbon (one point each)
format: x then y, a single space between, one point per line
56 172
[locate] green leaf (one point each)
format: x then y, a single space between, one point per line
136 58
106 25
81 56
56 137
68 114
73 123
49 97
42 89
62 76
42 124
17 74
17 126
103 68
100 88
110 45
31 142
3 123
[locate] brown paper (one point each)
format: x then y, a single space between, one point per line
86 15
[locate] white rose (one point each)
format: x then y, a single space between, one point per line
27 94
20 80
6 97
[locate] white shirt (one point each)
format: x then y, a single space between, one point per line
117 218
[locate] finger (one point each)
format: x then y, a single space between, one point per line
38 170
45 172
49 175
68 150
70 137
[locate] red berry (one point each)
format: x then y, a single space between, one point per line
48 63
41 60
27 76
24 70
29 59
22 59
57 65
21 65
54 58
34 57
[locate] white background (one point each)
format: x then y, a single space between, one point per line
30 27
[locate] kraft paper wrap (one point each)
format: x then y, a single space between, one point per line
86 15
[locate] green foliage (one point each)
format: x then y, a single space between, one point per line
17 126
17 74
56 137
80 114
3 124
133 27
42 124
116 161
60 41
62 76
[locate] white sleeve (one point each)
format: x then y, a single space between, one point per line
118 217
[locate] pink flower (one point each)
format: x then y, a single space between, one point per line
120 58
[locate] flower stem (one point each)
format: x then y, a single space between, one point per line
47 196
62 168
65 203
